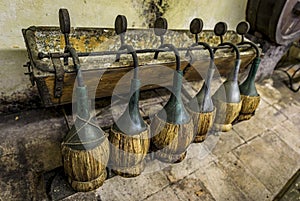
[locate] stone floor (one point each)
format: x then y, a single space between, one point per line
253 161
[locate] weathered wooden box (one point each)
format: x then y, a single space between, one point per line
103 75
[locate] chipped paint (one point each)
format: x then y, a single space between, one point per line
150 10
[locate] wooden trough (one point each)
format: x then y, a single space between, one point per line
55 81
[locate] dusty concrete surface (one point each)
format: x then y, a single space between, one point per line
251 162
30 145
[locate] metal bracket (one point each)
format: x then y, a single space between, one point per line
292 72
30 73
59 77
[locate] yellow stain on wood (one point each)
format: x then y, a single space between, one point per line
83 43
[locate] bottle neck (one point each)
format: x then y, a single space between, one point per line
233 76
206 86
248 86
253 69
82 102
177 83
174 111
135 95
209 76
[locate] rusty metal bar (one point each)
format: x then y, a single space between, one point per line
42 55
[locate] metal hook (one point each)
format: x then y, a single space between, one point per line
220 30
206 47
120 28
64 23
243 28
131 51
65 27
191 55
160 28
172 48
76 63
234 47
196 28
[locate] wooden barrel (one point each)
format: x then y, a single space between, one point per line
127 152
202 122
226 114
249 105
278 20
170 141
86 169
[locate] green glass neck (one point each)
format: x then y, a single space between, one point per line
248 88
202 102
131 121
174 111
